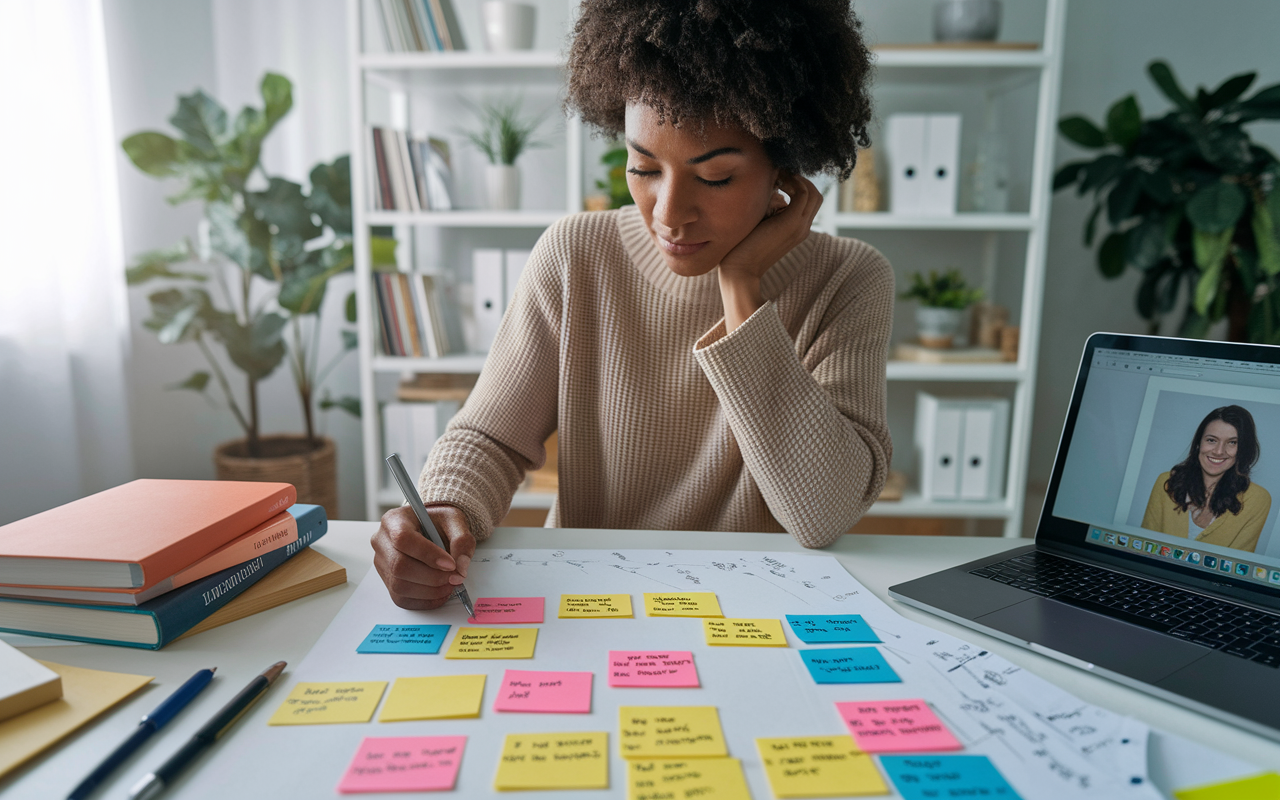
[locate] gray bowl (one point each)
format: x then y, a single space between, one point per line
966 20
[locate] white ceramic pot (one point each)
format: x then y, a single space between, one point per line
502 182
937 327
966 20
507 26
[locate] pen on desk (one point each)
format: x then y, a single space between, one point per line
155 782
428 527
148 725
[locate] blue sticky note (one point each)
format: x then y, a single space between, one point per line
938 777
849 665
840 629
404 639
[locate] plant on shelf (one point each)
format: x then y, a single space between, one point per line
944 298
1190 200
503 136
615 158
253 283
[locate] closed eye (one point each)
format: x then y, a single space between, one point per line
650 173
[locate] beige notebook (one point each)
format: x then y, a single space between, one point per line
24 682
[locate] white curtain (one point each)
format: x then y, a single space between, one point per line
64 424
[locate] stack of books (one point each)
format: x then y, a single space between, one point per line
145 562
411 173
411 315
419 25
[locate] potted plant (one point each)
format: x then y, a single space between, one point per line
943 301
248 292
1190 200
503 136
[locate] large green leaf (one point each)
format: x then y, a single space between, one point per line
178 315
1264 236
1145 243
152 152
1103 170
1124 121
157 264
302 290
1124 196
277 95
196 383
1263 105
1216 207
283 208
1091 225
1147 290
1159 185
331 194
351 307
1168 84
349 404
1081 131
1111 255
1230 90
203 121
257 349
1210 252
1067 174
226 236
1227 147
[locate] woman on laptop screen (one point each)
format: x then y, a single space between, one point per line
1209 496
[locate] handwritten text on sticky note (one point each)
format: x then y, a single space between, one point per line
819 766
433 697
668 669
493 643
321 703
682 604
896 726
749 632
929 777
554 761
831 629
670 732
714 778
595 605
404 764
544 692
404 639
491 610
848 665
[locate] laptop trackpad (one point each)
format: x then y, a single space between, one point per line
1106 643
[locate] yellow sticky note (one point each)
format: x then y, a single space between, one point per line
819 766
554 761
682 604
493 643
670 732
434 697
323 703
1258 787
714 778
595 605
749 632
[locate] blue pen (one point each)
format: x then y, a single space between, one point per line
148 725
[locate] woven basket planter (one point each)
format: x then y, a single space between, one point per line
285 459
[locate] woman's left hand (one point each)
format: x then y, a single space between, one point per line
786 226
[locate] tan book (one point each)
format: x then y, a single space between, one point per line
433 388
908 351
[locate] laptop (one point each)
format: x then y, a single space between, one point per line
1156 560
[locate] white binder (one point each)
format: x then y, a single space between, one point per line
942 165
960 444
488 271
905 147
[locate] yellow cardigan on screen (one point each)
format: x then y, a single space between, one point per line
1239 531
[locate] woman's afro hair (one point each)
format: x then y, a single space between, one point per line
793 73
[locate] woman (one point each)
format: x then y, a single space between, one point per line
708 362
1209 497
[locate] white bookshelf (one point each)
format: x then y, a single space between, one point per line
922 73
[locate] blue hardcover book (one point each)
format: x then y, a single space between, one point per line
157 622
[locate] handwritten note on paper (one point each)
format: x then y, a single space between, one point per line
849 665
595 605
744 632
819 766
553 761
715 778
930 777
682 604
404 639
896 726
829 629
670 732
669 669
544 692
434 697
404 764
323 703
511 610
1256 787
493 643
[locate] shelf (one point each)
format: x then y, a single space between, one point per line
465 219
964 221
459 364
919 371
940 65
390 498
466 66
913 505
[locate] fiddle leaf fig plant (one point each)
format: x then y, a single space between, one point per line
252 284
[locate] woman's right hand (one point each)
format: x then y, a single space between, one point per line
418 574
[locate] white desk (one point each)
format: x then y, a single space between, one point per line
242 649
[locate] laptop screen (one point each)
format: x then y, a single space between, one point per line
1170 460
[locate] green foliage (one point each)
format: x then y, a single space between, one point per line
947 290
619 193
1191 202
503 136
279 242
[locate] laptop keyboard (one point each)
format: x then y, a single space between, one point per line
1234 629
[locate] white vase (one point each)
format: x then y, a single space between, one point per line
937 327
507 26
502 182
966 20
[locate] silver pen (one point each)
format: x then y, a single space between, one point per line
410 493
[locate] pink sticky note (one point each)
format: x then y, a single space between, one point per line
404 764
661 668
545 692
896 726
508 609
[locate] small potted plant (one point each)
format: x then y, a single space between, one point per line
503 136
944 299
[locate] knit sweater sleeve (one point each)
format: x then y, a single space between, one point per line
809 415
501 431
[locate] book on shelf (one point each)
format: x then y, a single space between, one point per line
411 319
428 388
412 429
137 534
156 622
411 173
24 682
419 26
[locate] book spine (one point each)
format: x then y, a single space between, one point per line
406 171
425 324
398 327
451 26
419 172
410 313
384 327
391 146
384 174
437 41
272 535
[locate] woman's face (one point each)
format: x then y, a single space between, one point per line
1218 448
700 192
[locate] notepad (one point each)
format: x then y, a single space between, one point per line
404 764
652 668
711 778
325 703
595 605
682 604
744 632
552 761
1256 787
896 726
404 639
819 766
670 732
929 777
829 629
509 610
544 692
493 643
434 697
848 665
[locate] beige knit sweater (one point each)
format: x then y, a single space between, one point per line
664 421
